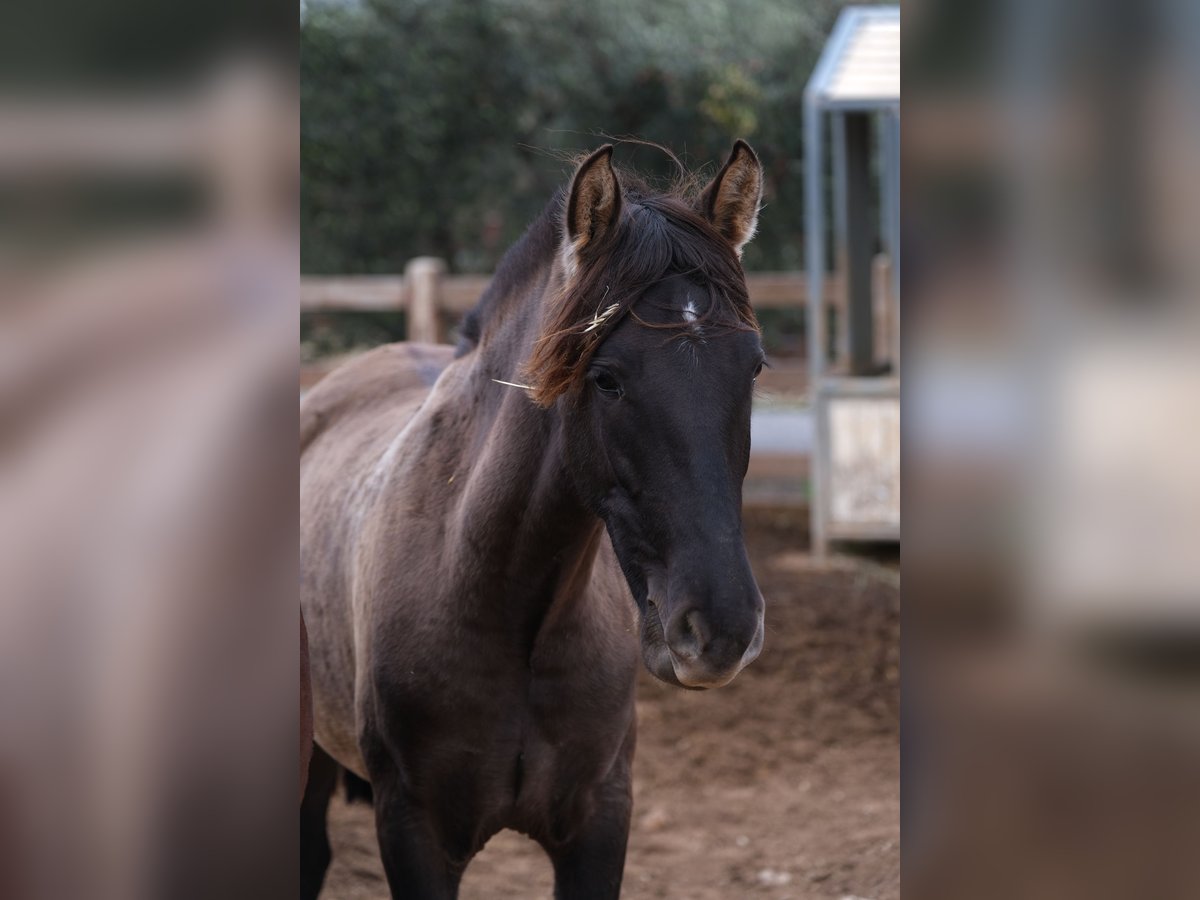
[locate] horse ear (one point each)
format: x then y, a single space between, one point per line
594 203
731 200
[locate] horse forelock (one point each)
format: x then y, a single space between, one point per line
660 235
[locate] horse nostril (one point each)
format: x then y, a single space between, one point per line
697 629
689 635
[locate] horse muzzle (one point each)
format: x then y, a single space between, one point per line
688 652
706 657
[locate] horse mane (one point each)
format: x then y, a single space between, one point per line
660 234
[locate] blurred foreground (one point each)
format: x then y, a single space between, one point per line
149 629
1052 410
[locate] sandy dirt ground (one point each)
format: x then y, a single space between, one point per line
784 784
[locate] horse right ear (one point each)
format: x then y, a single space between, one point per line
593 205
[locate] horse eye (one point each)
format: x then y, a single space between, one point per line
758 370
606 383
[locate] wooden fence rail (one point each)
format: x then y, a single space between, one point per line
428 295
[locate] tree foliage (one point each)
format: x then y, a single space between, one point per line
442 126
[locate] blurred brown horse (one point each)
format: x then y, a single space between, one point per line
485 537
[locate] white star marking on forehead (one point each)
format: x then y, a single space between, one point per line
690 314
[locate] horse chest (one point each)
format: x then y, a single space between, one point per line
542 702
520 737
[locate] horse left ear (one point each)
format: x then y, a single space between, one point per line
731 200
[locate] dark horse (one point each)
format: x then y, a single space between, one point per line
489 540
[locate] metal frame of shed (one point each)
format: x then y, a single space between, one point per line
855 88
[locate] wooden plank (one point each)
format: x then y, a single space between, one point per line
787 290
352 293
459 293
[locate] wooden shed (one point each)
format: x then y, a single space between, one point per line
852 116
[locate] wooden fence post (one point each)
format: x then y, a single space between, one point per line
423 284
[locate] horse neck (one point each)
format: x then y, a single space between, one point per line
521 516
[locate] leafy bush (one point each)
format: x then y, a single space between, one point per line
441 127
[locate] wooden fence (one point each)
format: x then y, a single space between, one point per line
429 296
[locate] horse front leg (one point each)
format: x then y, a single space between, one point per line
590 865
315 853
416 864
